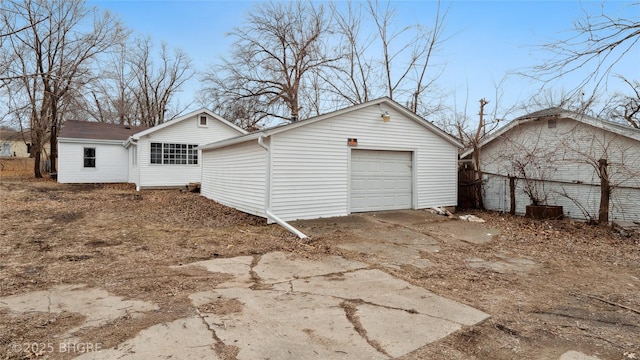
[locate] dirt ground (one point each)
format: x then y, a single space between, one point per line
583 294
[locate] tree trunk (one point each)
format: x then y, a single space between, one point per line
36 151
53 142
512 195
36 163
478 182
605 192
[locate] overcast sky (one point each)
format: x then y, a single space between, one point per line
488 39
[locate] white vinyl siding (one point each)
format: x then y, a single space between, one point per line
111 163
235 176
381 180
187 131
570 177
310 164
306 172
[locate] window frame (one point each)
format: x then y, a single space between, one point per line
206 121
173 154
85 158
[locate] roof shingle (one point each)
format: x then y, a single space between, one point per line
75 129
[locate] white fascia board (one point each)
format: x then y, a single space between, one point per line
91 141
150 130
231 141
384 100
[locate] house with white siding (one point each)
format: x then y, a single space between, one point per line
93 152
162 156
372 156
553 155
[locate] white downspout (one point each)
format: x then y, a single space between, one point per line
285 225
261 142
267 210
133 142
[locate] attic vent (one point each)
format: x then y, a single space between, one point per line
551 123
127 127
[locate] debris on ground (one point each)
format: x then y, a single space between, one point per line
626 228
471 218
441 211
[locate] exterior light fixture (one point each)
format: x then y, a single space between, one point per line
386 117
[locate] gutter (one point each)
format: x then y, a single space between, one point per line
130 141
267 198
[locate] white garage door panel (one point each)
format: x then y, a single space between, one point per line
380 180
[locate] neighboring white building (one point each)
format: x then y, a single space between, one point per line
156 157
554 154
351 160
92 152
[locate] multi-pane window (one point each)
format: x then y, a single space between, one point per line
89 157
167 154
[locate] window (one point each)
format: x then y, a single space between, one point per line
89 157
551 123
170 154
203 120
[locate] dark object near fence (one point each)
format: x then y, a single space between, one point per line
544 212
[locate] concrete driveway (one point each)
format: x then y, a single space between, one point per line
282 306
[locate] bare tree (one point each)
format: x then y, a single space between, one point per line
625 108
598 42
405 72
351 78
156 84
109 96
274 52
50 57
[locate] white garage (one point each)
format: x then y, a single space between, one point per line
381 180
350 160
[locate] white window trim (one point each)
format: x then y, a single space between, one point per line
164 145
206 121
84 158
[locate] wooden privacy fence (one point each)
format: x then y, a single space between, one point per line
467 185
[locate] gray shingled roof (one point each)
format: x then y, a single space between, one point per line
13 135
74 129
549 112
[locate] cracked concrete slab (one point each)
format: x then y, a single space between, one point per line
305 304
469 232
283 325
329 308
97 305
378 287
575 355
393 256
239 267
403 217
279 267
399 331
509 265
188 338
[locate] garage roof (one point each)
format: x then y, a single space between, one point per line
282 128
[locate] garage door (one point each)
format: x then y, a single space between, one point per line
380 180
